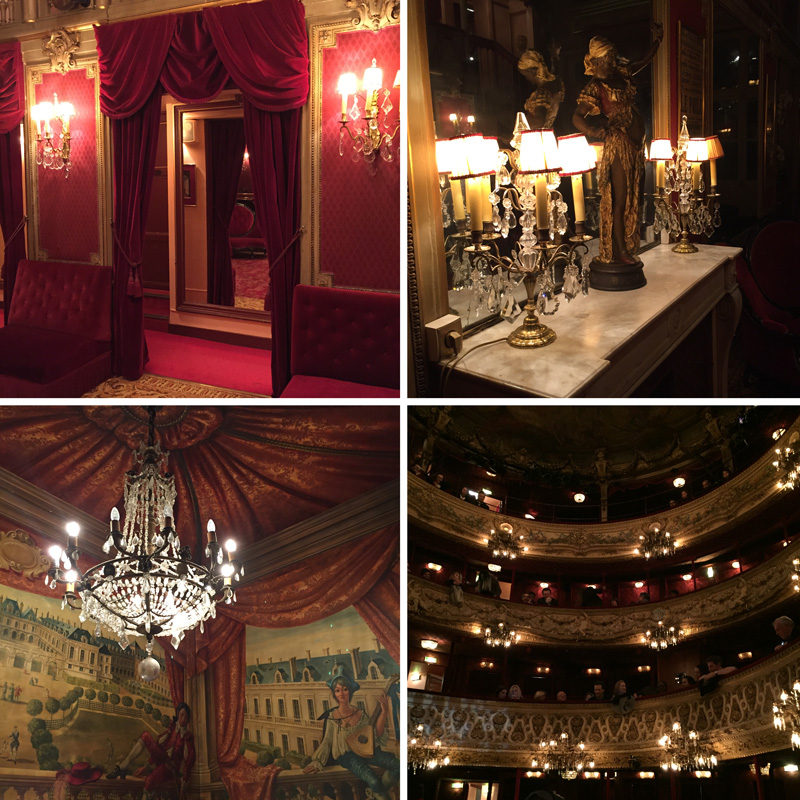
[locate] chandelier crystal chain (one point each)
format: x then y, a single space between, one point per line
655 543
151 586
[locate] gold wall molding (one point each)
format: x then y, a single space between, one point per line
700 612
19 553
374 14
735 721
742 497
60 47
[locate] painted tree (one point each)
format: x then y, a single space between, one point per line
139 703
34 707
127 701
102 696
51 705
91 694
114 699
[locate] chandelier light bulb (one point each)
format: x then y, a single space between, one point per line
55 553
230 546
70 576
115 515
579 497
73 529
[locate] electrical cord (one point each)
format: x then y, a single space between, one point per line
450 366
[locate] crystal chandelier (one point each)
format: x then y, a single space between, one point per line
562 755
655 543
795 574
425 750
151 587
683 751
377 136
679 171
52 149
503 544
500 635
787 464
525 200
786 716
661 637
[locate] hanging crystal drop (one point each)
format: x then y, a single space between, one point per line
503 177
355 113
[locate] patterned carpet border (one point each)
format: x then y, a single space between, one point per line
157 386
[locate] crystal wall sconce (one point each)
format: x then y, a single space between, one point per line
53 145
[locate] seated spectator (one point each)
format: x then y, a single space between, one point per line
502 694
698 672
644 597
591 597
710 681
661 687
425 574
622 698
438 481
686 680
547 598
465 495
561 697
456 591
514 692
481 502
540 697
784 630
598 693
487 584
419 467
527 598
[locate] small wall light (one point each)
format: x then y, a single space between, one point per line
434 567
578 497
429 644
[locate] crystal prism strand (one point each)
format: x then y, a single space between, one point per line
341 141
455 268
386 151
717 219
355 113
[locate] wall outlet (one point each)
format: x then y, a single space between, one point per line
438 331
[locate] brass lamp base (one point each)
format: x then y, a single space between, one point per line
684 245
531 333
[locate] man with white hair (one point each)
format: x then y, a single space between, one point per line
784 629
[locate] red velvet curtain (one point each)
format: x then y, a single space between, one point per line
224 156
12 110
297 595
264 48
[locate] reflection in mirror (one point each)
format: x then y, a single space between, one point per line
492 62
222 266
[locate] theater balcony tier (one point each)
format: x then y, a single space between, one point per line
734 721
730 602
694 523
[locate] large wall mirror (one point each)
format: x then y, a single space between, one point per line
221 261
475 49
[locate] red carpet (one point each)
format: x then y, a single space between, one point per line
252 277
244 369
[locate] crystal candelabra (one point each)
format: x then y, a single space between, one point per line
503 544
562 755
786 714
524 197
379 133
679 172
787 465
425 750
661 637
682 751
53 148
151 587
655 543
500 635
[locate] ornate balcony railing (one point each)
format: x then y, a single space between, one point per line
739 499
735 721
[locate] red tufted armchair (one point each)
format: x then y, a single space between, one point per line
57 342
345 343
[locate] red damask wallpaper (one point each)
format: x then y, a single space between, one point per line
68 206
359 211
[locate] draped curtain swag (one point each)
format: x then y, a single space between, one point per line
263 48
12 110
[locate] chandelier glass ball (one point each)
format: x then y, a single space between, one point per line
150 586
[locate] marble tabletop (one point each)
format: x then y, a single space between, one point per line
594 331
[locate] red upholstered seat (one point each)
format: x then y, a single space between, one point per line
244 231
345 343
57 342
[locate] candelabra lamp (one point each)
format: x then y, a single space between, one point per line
682 751
504 544
655 543
378 135
661 637
53 146
500 635
680 207
786 714
425 750
562 755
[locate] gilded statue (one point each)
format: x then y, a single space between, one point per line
548 90
607 111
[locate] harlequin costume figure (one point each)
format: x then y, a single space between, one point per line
171 755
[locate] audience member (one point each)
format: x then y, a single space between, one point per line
540 697
487 584
598 693
465 495
547 598
438 481
502 694
456 591
686 680
644 597
527 597
419 467
661 687
514 692
710 681
622 698
425 574
481 502
591 597
561 697
784 630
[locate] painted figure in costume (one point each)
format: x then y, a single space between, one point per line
609 101
352 739
14 737
171 755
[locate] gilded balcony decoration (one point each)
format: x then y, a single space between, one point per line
735 721
736 599
741 498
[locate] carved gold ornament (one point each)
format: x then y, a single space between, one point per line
19 553
60 46
375 14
